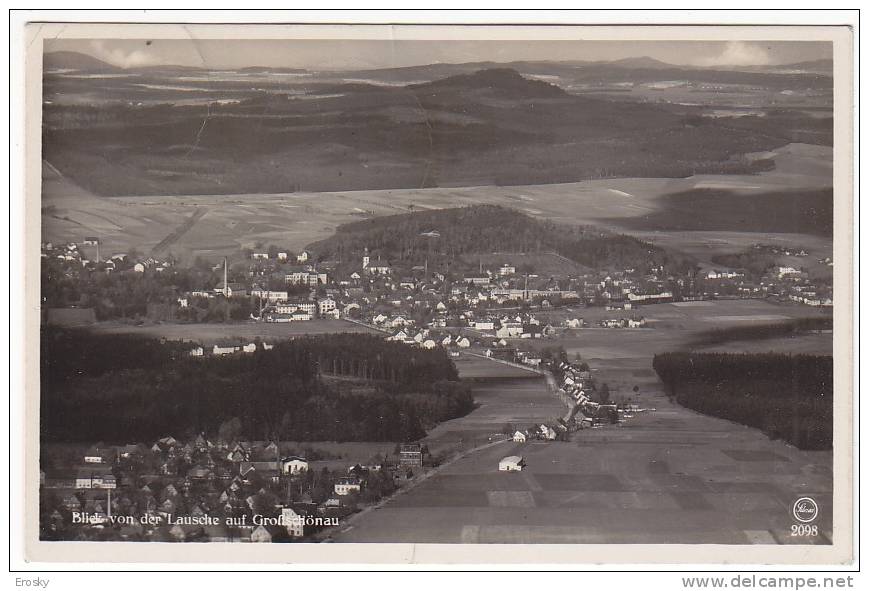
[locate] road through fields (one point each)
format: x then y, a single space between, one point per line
667 475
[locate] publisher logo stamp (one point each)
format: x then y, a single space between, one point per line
805 510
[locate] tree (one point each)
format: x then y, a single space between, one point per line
604 393
229 430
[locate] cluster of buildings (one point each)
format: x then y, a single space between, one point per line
87 256
202 491
635 322
797 286
218 350
575 382
290 287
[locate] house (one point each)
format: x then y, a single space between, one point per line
326 305
95 478
91 241
547 433
93 455
378 269
282 256
309 278
428 344
270 295
410 454
217 350
303 256
716 274
399 336
261 535
301 316
519 437
511 464
293 521
139 268
463 342
347 485
291 307
72 503
260 256
294 465
231 290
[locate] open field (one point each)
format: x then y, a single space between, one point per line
294 220
519 401
473 366
699 316
666 476
209 334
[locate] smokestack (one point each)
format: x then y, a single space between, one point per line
225 275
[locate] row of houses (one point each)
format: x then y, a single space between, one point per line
429 340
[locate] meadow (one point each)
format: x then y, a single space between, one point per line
210 334
294 220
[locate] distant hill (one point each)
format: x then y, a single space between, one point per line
407 239
499 80
72 60
642 62
162 134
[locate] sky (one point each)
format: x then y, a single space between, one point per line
322 54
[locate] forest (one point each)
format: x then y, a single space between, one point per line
120 388
442 236
788 397
792 327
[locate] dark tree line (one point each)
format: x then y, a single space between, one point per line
786 396
122 389
795 326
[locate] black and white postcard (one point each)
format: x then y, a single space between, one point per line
439 294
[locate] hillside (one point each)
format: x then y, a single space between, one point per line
443 236
71 60
793 212
150 132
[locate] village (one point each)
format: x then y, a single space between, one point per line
229 490
209 491
491 309
243 491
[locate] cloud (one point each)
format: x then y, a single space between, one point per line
123 58
738 53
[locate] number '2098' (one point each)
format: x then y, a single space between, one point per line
804 530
